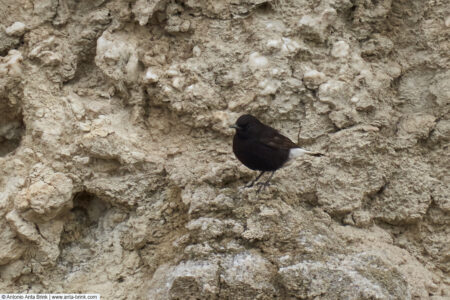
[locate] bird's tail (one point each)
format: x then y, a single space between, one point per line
295 152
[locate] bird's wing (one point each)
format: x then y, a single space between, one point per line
277 141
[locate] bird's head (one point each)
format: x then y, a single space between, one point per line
246 126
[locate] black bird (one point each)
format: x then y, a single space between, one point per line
262 148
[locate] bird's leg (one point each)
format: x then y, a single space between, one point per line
261 185
256 179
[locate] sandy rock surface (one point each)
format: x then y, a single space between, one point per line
116 170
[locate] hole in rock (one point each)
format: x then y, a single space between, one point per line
82 229
265 7
12 127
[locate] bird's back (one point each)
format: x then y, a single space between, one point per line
272 138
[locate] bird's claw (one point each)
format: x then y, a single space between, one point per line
262 186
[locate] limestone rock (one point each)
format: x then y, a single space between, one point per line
46 198
313 78
16 29
340 49
247 275
116 168
188 279
359 278
11 249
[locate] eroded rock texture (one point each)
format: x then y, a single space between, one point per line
117 175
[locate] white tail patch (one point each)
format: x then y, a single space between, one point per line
294 153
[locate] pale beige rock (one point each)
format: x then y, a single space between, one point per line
207 228
16 29
441 89
151 76
314 26
116 170
10 249
414 127
361 276
340 49
257 61
412 183
313 78
24 229
188 279
247 274
46 198
144 9
335 93
416 276
11 64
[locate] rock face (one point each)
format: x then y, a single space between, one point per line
116 170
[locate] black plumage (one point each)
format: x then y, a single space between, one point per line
262 148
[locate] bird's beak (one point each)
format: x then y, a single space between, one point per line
235 126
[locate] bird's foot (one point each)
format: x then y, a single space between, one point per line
252 183
262 186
